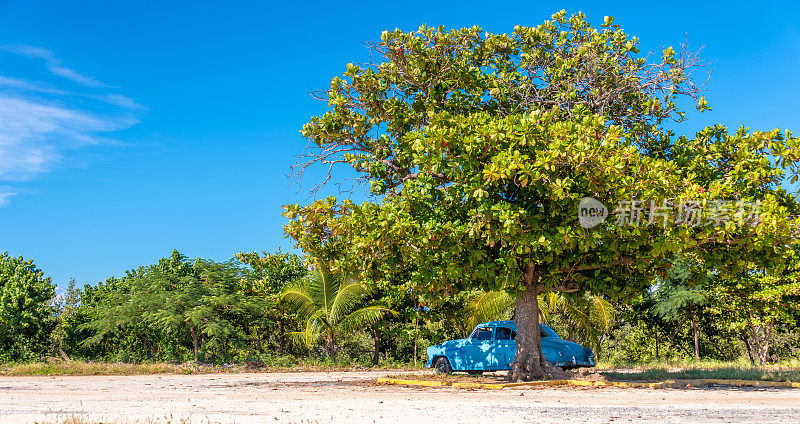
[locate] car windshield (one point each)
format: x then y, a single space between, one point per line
484 333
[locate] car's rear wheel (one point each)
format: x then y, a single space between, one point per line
443 366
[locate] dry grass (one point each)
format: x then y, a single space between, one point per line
725 373
107 368
692 369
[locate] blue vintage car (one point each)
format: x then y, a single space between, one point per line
491 347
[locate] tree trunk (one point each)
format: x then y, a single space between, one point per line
656 337
149 345
416 335
673 334
259 340
331 346
760 335
281 331
749 349
696 334
529 363
63 355
195 344
376 354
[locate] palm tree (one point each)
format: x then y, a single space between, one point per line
588 318
326 303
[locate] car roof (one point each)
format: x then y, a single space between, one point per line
507 323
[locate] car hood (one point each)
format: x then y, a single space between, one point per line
454 344
448 345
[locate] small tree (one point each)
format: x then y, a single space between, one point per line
66 309
754 302
272 273
326 303
681 295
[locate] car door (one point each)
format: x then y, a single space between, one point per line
477 352
505 347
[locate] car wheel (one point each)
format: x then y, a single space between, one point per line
443 366
474 372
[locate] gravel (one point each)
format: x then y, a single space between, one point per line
352 397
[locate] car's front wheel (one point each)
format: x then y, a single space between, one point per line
442 366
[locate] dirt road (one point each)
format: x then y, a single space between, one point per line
352 398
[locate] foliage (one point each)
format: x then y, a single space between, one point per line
680 295
25 310
271 273
586 318
477 148
198 301
677 293
756 302
327 304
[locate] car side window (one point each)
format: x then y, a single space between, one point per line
504 333
484 333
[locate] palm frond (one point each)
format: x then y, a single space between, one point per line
364 316
582 324
299 299
348 296
549 305
601 313
489 306
310 334
326 285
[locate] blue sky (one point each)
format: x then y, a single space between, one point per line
129 130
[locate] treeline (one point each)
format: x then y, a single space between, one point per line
274 308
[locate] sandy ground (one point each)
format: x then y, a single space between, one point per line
352 397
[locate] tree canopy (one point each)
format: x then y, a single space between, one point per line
480 147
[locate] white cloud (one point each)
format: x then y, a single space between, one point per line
32 134
17 84
53 64
40 123
5 193
122 101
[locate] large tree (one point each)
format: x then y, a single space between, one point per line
479 147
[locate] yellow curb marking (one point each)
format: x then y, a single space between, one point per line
630 384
